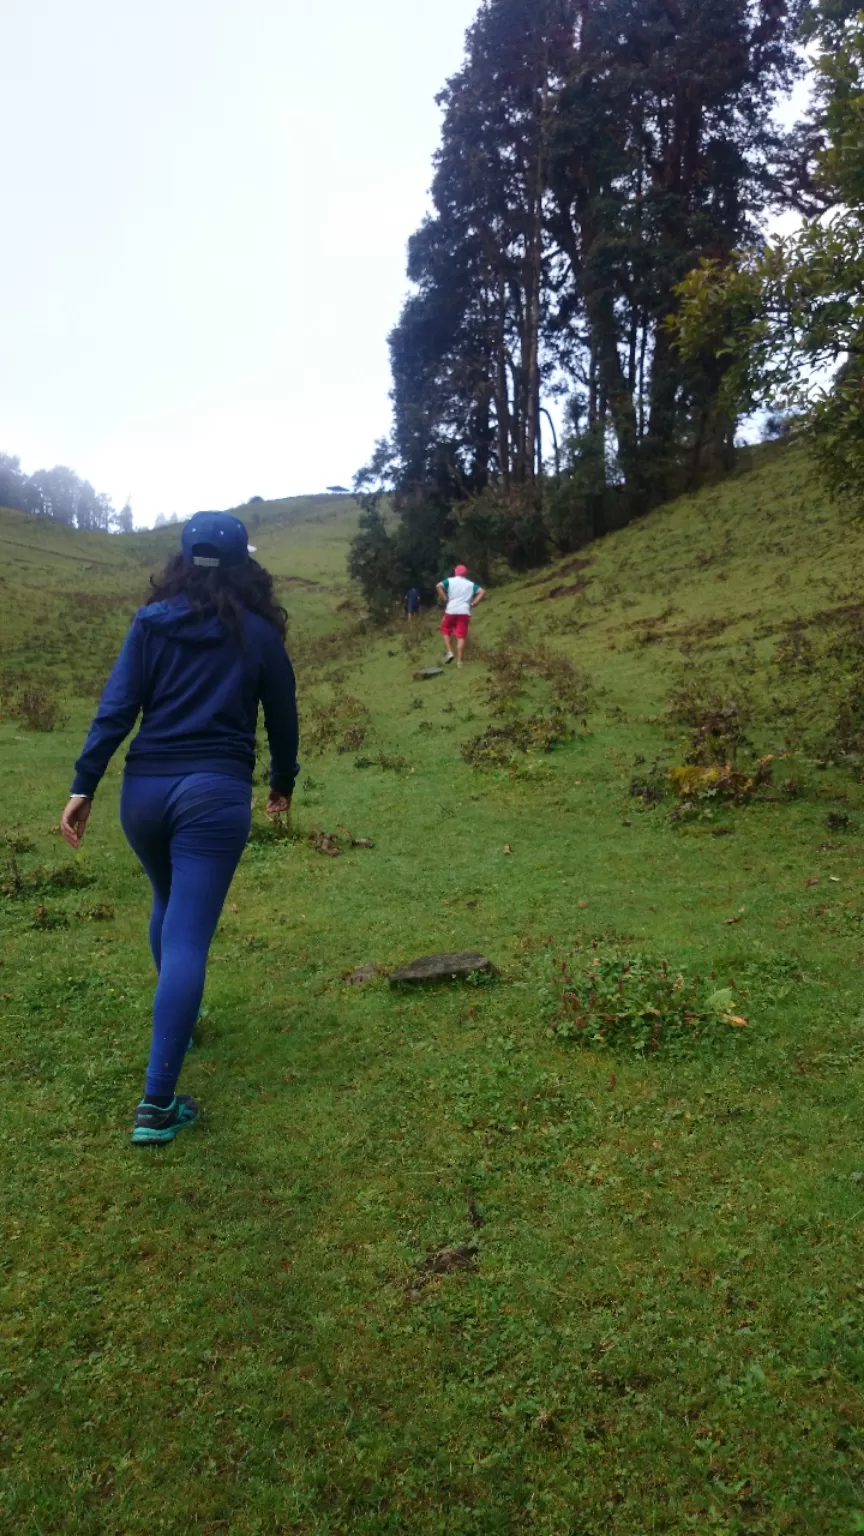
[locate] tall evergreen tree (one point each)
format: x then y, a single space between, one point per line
592 152
14 490
664 152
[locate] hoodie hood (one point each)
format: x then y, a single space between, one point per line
176 620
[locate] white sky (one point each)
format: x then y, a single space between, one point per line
207 204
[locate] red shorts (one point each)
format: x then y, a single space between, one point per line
456 624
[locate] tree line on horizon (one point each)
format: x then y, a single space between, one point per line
596 157
62 495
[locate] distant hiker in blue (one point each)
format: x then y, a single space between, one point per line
412 602
196 663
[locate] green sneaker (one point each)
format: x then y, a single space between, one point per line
153 1125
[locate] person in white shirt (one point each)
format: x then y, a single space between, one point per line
460 595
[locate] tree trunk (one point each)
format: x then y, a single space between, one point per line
502 398
531 354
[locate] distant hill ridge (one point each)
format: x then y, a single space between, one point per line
709 574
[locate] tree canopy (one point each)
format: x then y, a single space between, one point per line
593 152
788 319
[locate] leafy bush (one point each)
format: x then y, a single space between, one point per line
498 745
512 668
40 710
506 522
515 662
637 1004
847 732
696 782
794 652
342 724
267 832
17 884
46 918
16 843
37 707
717 717
8 695
393 763
649 789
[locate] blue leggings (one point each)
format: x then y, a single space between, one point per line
189 833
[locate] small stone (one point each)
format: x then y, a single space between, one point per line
428 672
856 1178
442 967
363 973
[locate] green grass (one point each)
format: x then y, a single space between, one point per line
66 597
660 1330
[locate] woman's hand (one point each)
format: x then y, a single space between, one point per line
73 822
278 805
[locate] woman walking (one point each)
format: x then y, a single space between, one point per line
196 663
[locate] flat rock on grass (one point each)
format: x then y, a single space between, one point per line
442 967
428 672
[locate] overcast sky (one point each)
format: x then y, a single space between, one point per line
207 204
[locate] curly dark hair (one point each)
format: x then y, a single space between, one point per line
223 590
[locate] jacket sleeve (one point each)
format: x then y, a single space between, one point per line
279 698
118 710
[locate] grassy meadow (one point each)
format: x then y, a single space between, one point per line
552 1253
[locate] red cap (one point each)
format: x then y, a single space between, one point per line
461 570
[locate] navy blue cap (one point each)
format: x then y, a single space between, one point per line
214 539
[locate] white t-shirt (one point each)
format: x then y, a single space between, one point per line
459 591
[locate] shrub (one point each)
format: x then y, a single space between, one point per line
46 919
269 831
8 695
650 790
794 652
393 763
717 717
636 1003
15 843
342 724
696 782
508 663
498 745
512 668
18 884
501 522
847 733
39 709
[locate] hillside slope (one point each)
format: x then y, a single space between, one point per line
568 1252
64 591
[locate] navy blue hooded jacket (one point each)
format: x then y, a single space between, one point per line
198 690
